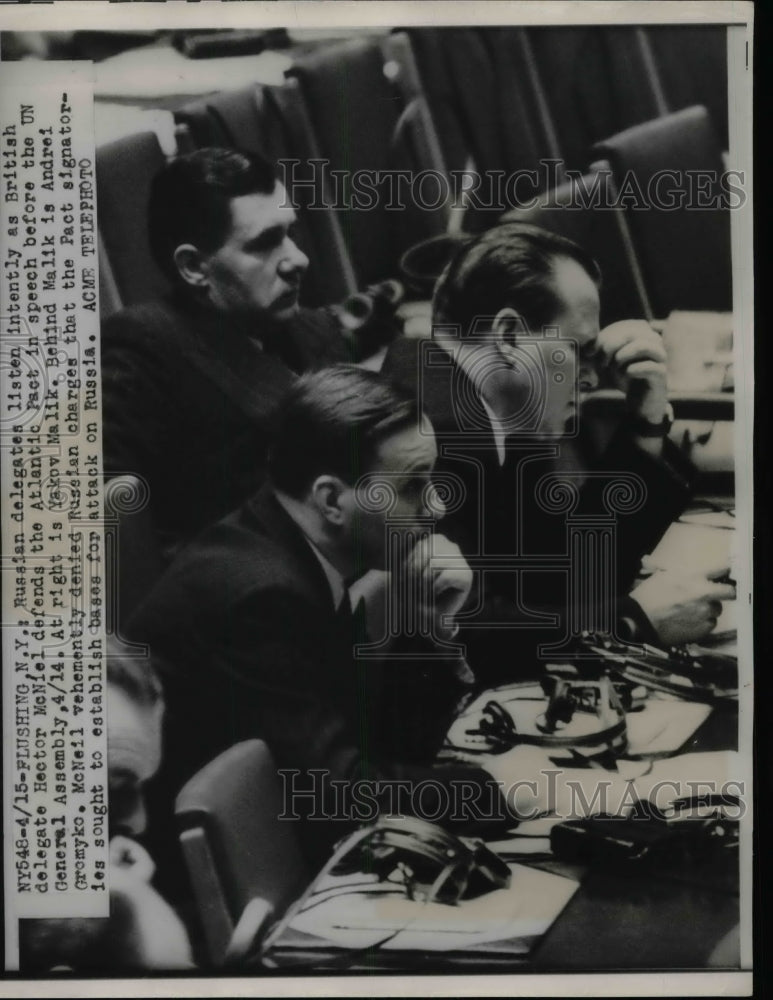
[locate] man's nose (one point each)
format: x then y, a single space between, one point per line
434 505
588 376
294 259
135 821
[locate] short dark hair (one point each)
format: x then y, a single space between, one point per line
134 675
511 264
190 199
332 421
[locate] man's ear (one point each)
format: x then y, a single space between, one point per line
326 494
507 327
191 265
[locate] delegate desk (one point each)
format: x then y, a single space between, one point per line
601 918
626 919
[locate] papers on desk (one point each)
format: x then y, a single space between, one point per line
699 547
663 724
710 519
699 350
526 840
383 917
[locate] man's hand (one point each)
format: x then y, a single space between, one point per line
683 607
635 357
442 579
147 926
129 859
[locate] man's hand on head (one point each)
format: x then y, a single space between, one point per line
635 357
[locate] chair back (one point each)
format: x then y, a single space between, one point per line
597 81
125 169
365 130
236 848
684 248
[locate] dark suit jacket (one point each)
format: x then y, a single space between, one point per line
502 514
244 623
187 395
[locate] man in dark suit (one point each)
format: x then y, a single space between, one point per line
189 381
254 623
515 340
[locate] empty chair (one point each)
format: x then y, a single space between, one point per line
691 60
487 100
668 174
527 131
273 121
228 118
597 80
584 210
362 129
124 170
431 48
243 861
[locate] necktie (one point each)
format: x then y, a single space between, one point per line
352 622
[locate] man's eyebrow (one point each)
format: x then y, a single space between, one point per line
267 236
123 774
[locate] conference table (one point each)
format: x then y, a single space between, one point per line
571 917
611 917
565 916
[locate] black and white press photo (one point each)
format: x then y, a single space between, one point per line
376 433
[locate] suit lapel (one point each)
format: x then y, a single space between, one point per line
252 379
266 513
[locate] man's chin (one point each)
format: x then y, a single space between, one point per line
287 312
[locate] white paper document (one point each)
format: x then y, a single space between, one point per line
355 919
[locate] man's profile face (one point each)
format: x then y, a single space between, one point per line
404 464
133 757
542 375
577 320
258 268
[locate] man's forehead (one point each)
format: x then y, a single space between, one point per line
252 214
411 448
133 734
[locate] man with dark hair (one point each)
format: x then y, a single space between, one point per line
255 620
190 201
516 339
190 381
512 265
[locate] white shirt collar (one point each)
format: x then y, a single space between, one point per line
463 362
332 575
498 431
334 578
